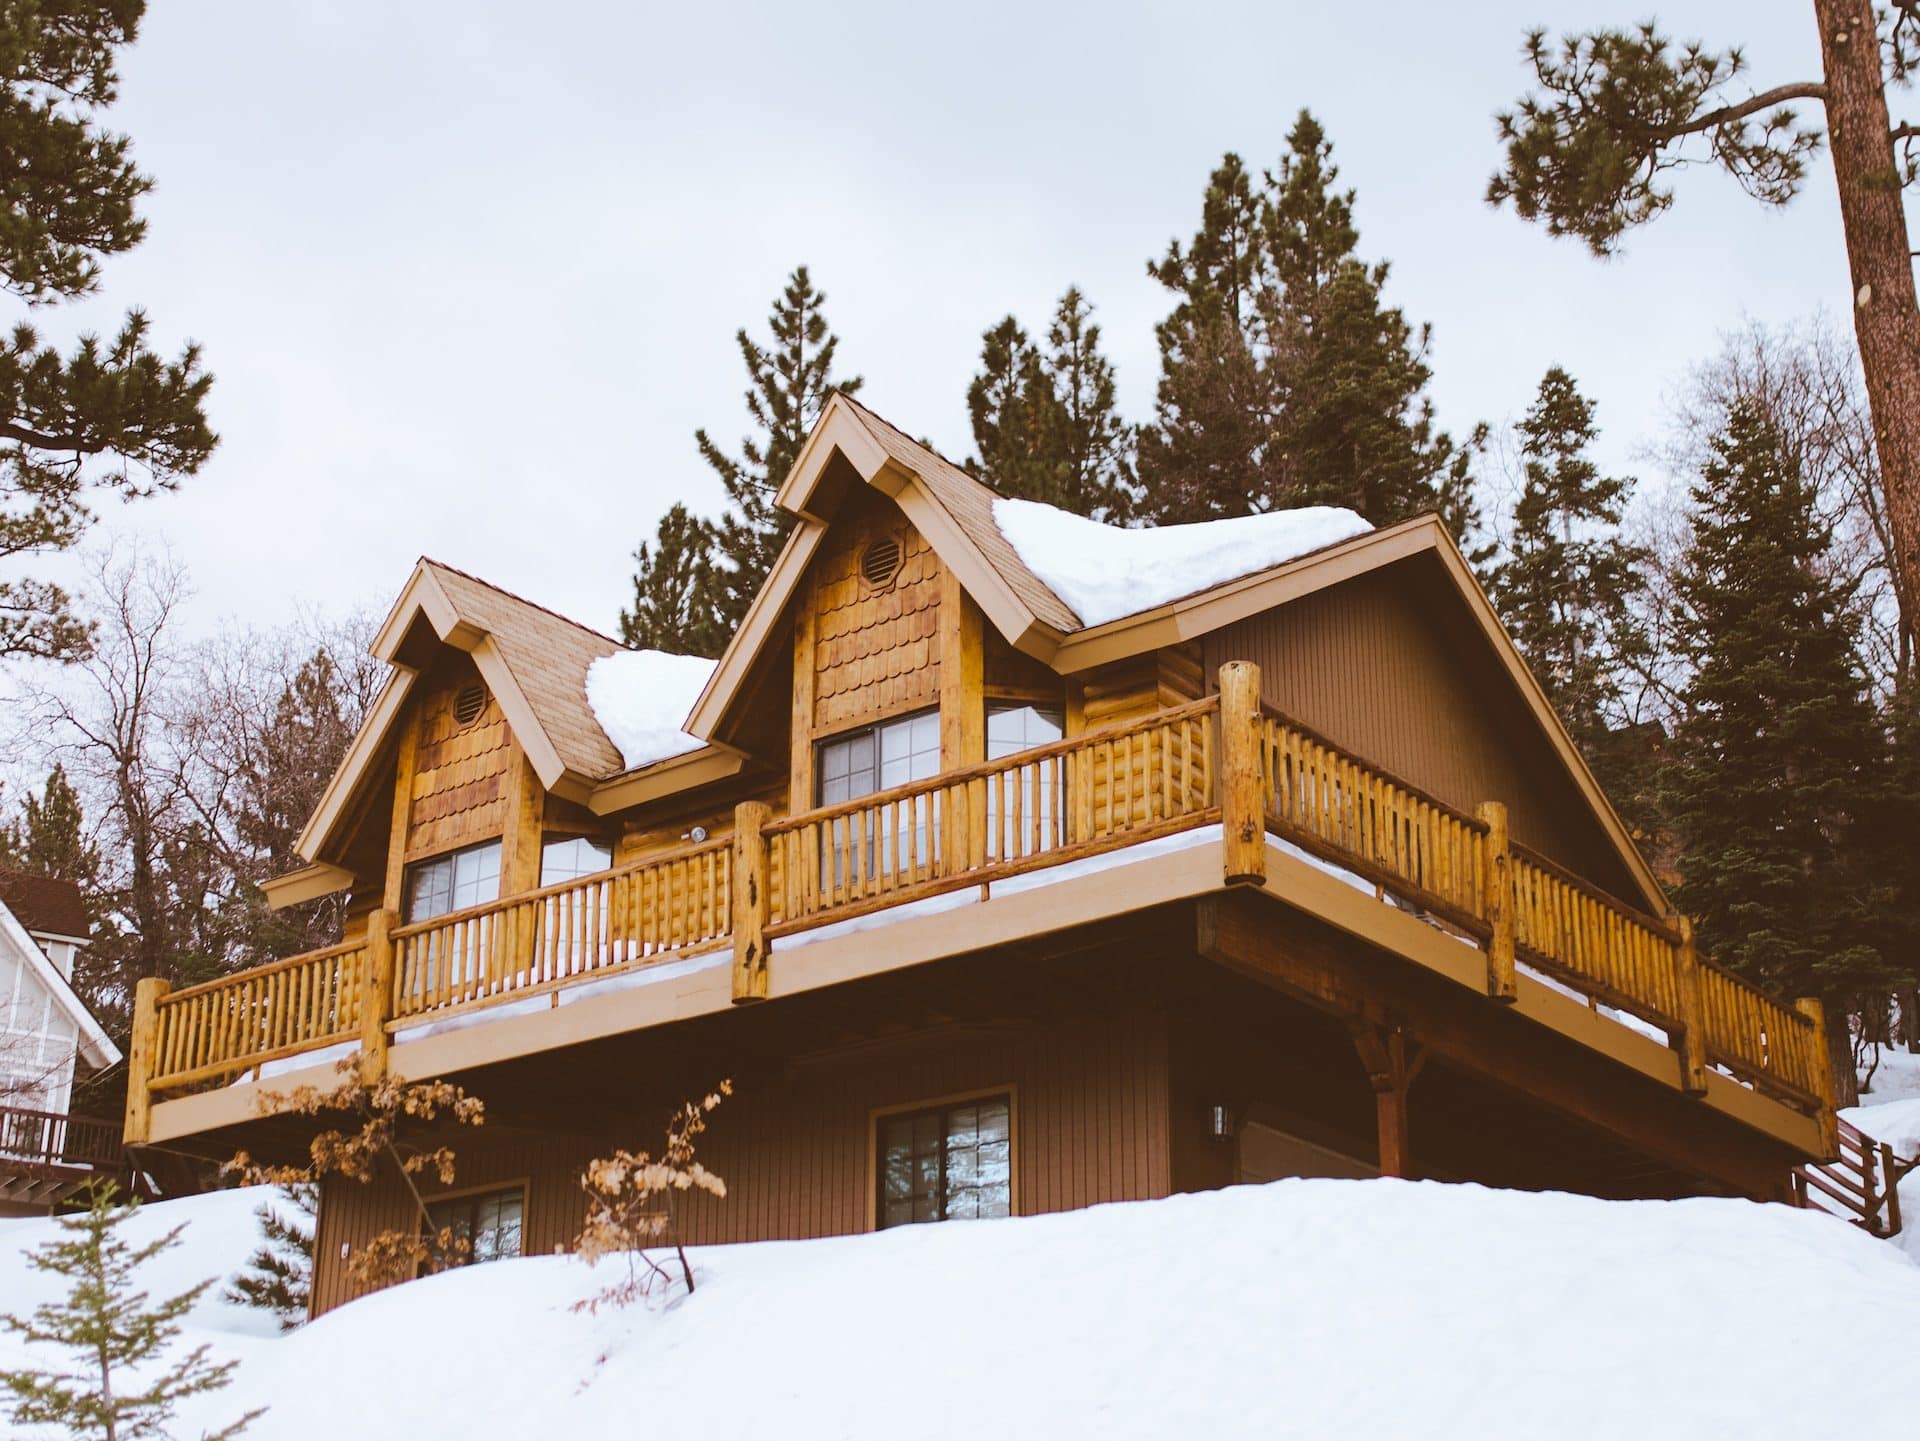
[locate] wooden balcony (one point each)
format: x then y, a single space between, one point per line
1225 761
47 1156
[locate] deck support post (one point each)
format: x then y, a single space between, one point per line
1691 1043
376 996
1501 982
1392 1063
142 1059
752 877
1829 1119
1243 810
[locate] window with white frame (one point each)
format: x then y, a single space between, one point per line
949 1162
572 858
453 881
877 758
1025 809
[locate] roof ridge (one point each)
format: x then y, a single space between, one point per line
519 599
868 412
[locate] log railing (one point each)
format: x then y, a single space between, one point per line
1227 758
542 940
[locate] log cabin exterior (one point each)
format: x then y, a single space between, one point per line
986 910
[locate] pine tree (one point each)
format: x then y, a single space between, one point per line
676 589
1566 585
111 415
122 1381
1285 378
788 381
49 836
1779 760
279 1274
1046 424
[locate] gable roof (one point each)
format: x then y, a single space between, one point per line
535 662
96 1046
954 511
45 905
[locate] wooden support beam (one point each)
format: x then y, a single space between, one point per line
1321 967
376 995
1501 909
751 878
1392 1062
1243 808
141 1059
1691 1043
805 677
963 707
1816 1015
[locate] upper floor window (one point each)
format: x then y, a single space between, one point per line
1013 727
487 1222
573 858
946 1163
878 757
1025 814
453 881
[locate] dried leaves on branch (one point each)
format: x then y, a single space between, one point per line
631 1203
395 1128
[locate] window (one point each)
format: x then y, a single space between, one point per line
453 882
488 1221
877 758
1025 813
946 1163
572 858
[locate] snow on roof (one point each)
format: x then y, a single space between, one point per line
641 698
1492 1315
1104 571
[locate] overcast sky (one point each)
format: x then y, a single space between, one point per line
468 274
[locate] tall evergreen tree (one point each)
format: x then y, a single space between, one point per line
1046 423
1285 378
788 381
1566 585
677 589
122 1381
49 836
1778 762
110 415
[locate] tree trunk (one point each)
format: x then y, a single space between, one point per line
1846 1082
1886 316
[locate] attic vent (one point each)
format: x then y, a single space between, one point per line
881 563
468 704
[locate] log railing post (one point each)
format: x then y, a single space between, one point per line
751 880
1243 802
376 996
142 1055
1498 843
1691 1044
1816 1015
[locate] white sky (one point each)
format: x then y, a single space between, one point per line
468 274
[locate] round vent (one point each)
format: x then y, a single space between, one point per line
881 563
468 704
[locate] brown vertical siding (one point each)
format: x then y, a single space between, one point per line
1387 666
1090 1125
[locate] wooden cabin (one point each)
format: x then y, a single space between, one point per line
987 906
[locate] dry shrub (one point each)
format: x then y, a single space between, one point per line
630 1198
384 1114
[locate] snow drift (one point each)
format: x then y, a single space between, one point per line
641 698
1104 572
1303 1308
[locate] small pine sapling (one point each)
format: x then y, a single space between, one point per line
279 1274
384 1110
121 1385
630 1203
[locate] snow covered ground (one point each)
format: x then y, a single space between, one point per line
1298 1309
1890 1112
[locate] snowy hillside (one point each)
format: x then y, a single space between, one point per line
1303 1308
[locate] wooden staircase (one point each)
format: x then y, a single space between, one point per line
1863 1185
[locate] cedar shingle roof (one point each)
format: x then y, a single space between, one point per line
548 656
970 503
43 904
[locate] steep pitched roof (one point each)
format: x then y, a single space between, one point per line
96 1046
45 905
